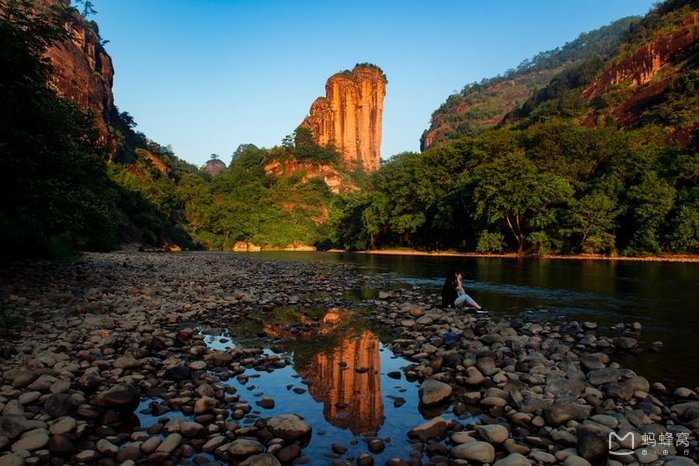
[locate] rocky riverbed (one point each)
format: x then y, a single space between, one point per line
146 358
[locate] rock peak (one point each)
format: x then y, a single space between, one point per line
349 116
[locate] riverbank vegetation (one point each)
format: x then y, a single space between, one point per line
555 186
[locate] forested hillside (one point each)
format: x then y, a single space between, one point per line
484 104
603 159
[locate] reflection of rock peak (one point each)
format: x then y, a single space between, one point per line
351 399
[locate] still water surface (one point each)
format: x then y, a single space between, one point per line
345 381
663 296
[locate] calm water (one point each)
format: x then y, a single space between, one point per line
338 379
664 297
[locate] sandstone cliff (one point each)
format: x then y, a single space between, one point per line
81 68
637 78
350 115
309 170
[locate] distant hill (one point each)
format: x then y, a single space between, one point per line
485 104
652 78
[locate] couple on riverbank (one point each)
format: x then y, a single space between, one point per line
453 293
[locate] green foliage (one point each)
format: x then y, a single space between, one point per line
302 147
547 187
592 220
489 241
486 103
57 197
511 191
244 203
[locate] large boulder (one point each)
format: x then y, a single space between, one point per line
593 443
121 397
288 427
433 428
493 433
433 392
243 447
481 452
561 412
264 459
513 459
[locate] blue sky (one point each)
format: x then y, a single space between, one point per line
208 75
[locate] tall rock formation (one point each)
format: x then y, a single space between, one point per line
82 70
350 115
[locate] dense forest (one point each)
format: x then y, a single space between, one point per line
566 171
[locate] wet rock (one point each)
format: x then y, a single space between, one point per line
180 372
126 362
542 457
365 459
32 440
264 459
12 426
461 437
625 343
170 443
434 392
64 425
481 452
60 404
11 459
433 428
562 412
86 456
376 445
204 405
474 376
245 447
289 453
593 444
575 460
61 444
122 397
513 459
152 443
266 403
493 433
106 447
288 427
604 376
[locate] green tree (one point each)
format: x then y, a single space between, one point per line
510 191
592 220
650 202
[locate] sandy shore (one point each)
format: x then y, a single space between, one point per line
598 257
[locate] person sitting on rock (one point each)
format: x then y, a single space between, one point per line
453 294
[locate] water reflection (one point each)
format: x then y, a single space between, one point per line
346 380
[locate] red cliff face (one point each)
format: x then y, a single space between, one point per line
309 170
642 65
647 71
82 70
350 115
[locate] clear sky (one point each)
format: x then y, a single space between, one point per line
208 75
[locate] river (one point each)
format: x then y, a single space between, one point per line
662 296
